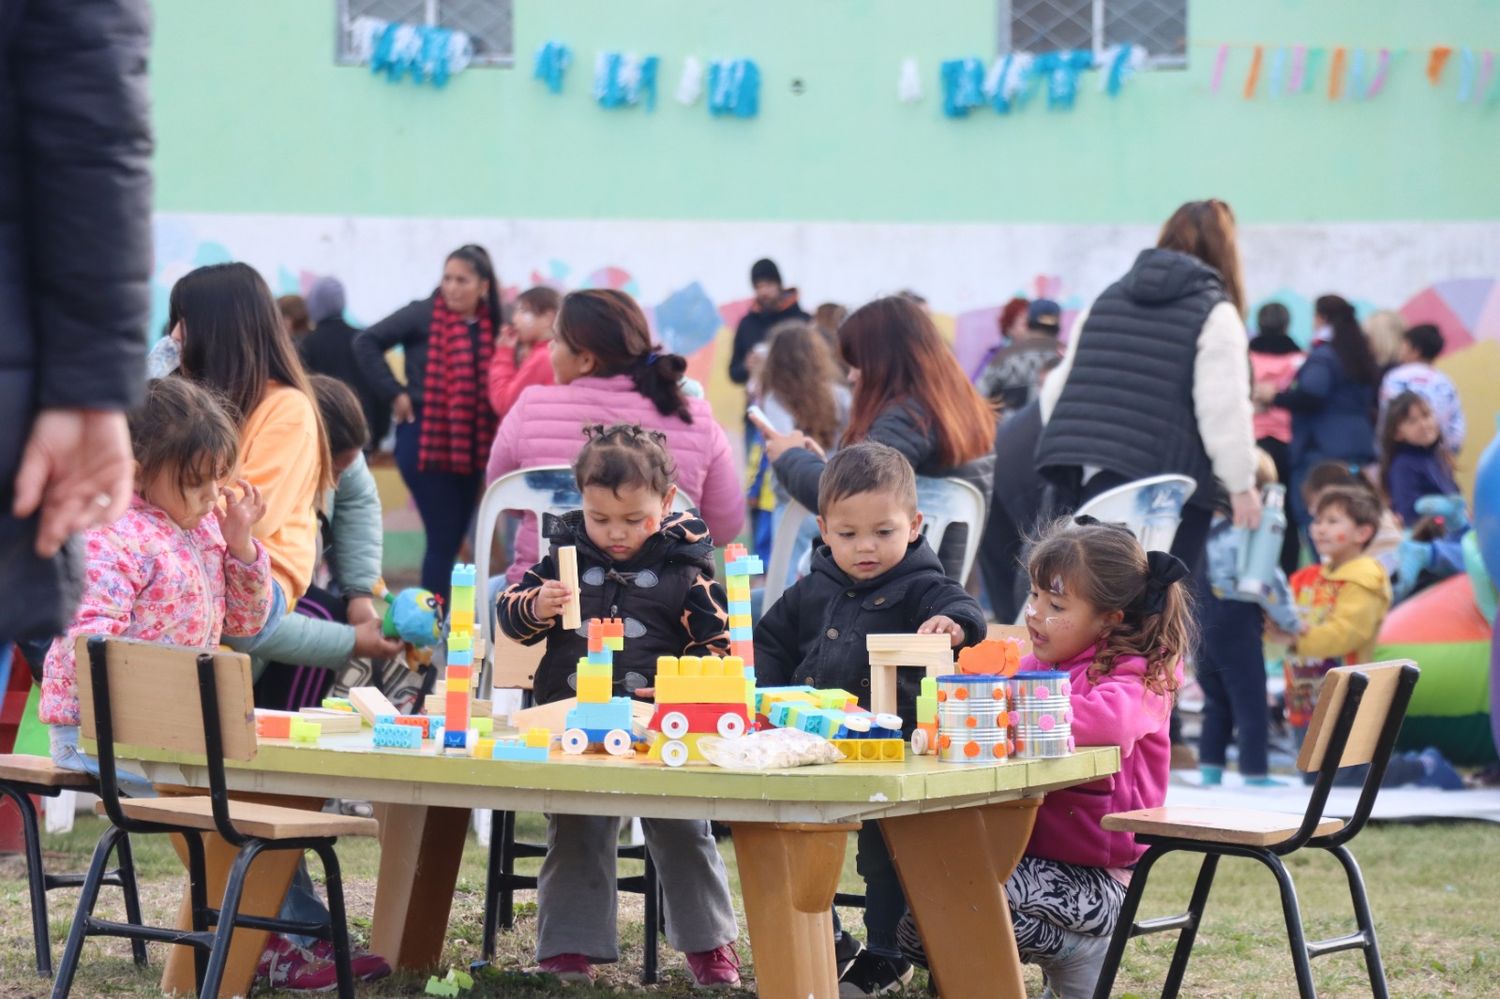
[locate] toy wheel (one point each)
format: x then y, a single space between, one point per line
674 753
674 725
731 726
575 741
919 742
617 742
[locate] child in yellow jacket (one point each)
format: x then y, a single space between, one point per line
1342 600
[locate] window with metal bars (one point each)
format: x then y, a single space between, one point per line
1158 26
488 23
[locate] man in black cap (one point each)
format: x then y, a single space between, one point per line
1012 376
773 304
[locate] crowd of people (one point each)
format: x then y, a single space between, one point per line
253 490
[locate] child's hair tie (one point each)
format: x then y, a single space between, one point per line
1162 570
650 359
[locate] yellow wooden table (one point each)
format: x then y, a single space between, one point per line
955 833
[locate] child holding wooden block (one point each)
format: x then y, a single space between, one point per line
639 562
874 574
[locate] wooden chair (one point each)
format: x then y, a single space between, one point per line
1359 713
544 490
128 697
943 502
20 778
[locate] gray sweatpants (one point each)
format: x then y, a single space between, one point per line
576 892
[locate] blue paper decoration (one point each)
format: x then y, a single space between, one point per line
733 88
1466 71
552 61
427 52
1120 63
623 80
1277 76
963 86
1061 70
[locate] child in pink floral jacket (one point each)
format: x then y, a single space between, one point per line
177 567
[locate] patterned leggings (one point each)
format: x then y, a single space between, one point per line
1046 898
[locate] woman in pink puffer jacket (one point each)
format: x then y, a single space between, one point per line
608 372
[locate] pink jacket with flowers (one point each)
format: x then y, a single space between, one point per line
1114 710
148 579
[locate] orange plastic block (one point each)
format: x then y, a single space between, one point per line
464 673
456 716
274 726
415 721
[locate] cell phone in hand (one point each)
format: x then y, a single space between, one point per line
755 415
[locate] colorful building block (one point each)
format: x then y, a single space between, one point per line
518 751
397 737
871 750
537 736
484 749
678 689
338 704
434 725
595 689
305 732
464 574
459 739
273 726
483 724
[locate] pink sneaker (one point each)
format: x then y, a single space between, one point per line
286 966
573 968
715 969
367 967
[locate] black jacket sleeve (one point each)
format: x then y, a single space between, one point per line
402 327
799 471
944 596
744 335
81 106
514 608
776 641
897 427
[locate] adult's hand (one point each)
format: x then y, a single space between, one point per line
370 643
1246 507
778 443
77 469
401 409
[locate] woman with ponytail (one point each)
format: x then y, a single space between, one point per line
444 423
1332 399
608 370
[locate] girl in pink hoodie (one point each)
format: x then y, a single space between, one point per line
181 566
1116 620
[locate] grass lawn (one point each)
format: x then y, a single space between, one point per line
1434 889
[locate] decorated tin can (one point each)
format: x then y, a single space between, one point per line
973 746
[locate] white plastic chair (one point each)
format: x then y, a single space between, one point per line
541 490
943 502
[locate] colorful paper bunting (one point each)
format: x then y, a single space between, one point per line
1252 80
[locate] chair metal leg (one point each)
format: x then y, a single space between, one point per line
1189 932
36 878
337 920
507 896
1296 939
132 897
198 901
218 958
1373 965
1125 925
653 924
492 887
87 898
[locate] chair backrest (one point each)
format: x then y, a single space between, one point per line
1151 508
1356 721
943 502
152 696
541 490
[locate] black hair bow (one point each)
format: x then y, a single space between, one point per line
1162 570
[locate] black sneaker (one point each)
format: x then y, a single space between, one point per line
873 975
845 949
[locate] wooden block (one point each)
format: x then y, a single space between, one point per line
334 722
434 705
567 574
931 651
371 703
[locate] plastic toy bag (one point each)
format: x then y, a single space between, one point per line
771 749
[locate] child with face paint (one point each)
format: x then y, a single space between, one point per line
1116 620
1342 600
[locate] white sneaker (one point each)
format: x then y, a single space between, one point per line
1074 972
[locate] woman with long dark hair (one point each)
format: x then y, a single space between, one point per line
1332 399
444 423
608 370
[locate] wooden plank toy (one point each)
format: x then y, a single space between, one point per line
371 703
334 722
933 653
567 574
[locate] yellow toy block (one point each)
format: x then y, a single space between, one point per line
740 621
712 666
586 668
689 666
835 699
538 738
461 619
483 748
871 750
734 665
667 666
595 689
699 689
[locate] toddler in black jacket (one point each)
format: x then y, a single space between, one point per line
874 574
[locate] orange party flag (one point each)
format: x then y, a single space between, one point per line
1436 60
1253 80
1336 74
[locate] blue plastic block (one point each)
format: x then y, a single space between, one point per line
434 726
455 740
516 749
385 719
742 634
615 713
779 712
749 565
463 574
461 657
398 737
604 657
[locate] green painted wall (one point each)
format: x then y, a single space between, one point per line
254 116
